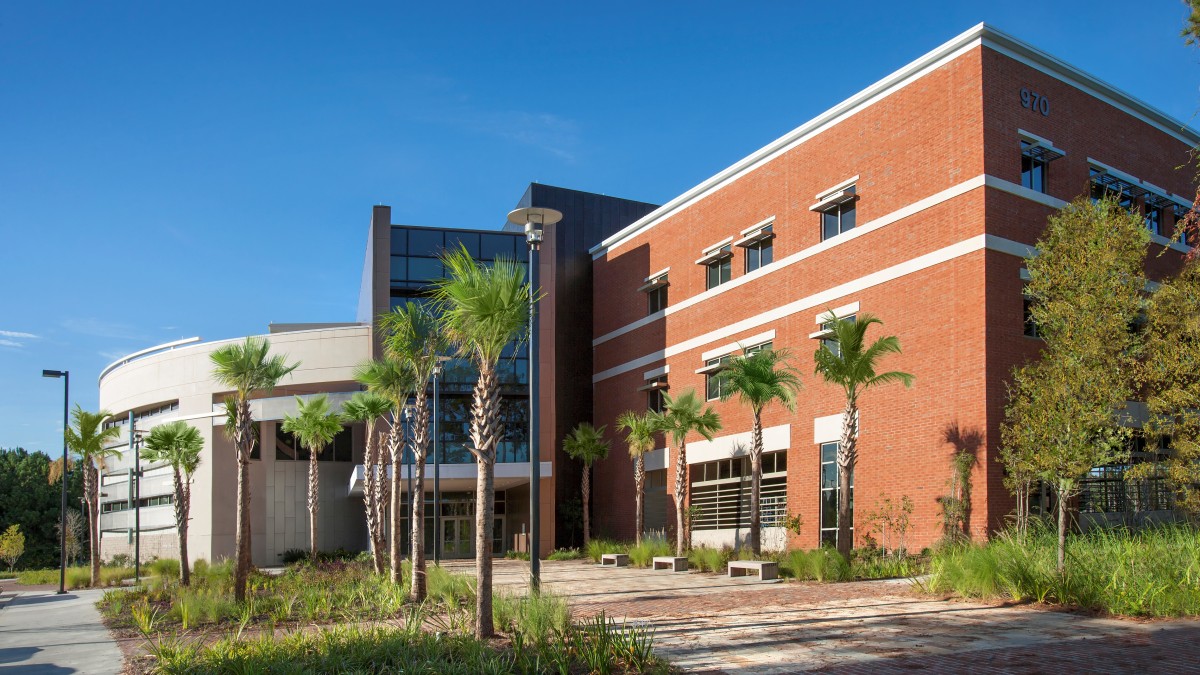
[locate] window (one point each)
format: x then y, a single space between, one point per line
829 494
1111 184
1031 327
655 387
758 246
837 220
1033 169
751 351
655 289
719 271
721 492
826 332
286 447
714 379
1106 490
1181 232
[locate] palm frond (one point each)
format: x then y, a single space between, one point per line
314 424
248 367
364 406
762 378
483 308
639 432
175 443
413 337
684 415
586 444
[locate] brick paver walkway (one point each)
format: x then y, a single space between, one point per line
708 623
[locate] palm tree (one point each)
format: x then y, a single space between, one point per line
586 444
179 445
680 417
246 368
314 427
89 439
482 309
414 338
391 379
368 407
852 368
639 436
758 380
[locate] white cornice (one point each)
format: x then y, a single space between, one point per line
980 34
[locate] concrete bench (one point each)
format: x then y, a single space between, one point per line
765 569
614 559
671 563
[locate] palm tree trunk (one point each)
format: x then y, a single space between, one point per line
394 449
181 509
91 491
846 456
313 499
382 496
756 449
420 449
485 433
587 497
244 442
369 476
639 511
681 494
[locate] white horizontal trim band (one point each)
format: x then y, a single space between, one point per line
752 341
965 247
840 312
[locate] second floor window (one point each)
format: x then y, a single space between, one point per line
758 246
720 270
1033 169
655 289
837 219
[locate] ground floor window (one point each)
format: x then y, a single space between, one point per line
721 490
829 494
656 501
1107 490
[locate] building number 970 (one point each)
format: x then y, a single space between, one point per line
1035 101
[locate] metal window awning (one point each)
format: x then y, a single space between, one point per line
655 385
832 199
1159 201
755 237
709 370
715 255
1043 150
654 284
1118 184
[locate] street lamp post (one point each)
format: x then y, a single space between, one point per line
534 219
408 423
62 516
437 471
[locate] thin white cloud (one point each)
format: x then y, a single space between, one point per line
17 334
10 343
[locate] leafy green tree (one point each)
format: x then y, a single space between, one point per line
852 367
414 338
1086 285
178 445
12 545
758 380
639 437
369 407
246 368
393 380
314 427
28 499
586 444
1171 376
681 416
483 308
92 442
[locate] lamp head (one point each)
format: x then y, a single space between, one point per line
53 373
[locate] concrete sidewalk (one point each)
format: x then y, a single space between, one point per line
41 632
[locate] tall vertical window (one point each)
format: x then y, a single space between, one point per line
829 494
1181 214
837 219
1033 169
717 262
758 246
655 289
714 377
1036 155
655 387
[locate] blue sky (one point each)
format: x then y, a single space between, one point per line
169 170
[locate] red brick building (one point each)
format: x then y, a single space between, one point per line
915 200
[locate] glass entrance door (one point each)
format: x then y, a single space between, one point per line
458 537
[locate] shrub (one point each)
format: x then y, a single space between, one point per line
823 564
565 554
708 559
534 618
451 590
293 555
516 555
1152 572
164 567
643 554
598 547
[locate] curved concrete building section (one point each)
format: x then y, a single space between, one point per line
174 382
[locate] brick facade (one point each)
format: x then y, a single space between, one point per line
941 222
